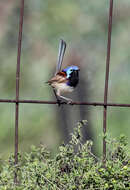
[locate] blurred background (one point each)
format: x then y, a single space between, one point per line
83 25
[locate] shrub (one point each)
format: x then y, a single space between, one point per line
75 167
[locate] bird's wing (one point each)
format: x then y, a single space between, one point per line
62 48
59 78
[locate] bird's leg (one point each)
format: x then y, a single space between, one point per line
69 101
58 101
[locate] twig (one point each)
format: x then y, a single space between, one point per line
51 182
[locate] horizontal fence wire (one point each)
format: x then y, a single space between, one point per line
64 103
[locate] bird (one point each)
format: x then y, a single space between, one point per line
65 80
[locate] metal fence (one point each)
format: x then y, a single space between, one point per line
104 104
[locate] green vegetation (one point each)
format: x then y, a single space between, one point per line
75 167
83 25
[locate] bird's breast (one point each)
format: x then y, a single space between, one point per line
62 87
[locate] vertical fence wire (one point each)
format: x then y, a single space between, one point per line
17 84
107 78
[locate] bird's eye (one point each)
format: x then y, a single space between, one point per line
71 69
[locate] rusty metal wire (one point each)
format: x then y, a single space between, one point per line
73 103
107 77
17 84
104 104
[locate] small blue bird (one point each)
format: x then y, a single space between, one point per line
64 80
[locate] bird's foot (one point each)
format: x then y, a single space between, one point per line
67 100
70 102
59 102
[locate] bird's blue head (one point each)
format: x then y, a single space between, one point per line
70 69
